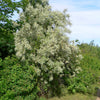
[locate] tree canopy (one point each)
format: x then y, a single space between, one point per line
42 41
7 8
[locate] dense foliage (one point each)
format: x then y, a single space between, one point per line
7 8
45 60
17 81
24 3
41 41
88 80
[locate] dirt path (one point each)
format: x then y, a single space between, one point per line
98 98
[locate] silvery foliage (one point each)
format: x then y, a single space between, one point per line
42 41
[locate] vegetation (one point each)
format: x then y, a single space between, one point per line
87 80
75 97
17 81
38 61
7 8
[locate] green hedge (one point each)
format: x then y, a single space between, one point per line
17 82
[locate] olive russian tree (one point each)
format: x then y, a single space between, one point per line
42 41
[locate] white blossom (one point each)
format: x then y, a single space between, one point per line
42 41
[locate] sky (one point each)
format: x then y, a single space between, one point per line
84 16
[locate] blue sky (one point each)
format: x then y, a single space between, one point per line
84 16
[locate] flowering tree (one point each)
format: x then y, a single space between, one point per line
42 41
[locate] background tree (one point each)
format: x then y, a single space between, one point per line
7 8
24 3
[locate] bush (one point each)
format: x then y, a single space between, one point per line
17 81
87 80
89 76
82 82
42 41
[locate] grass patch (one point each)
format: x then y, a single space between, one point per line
75 97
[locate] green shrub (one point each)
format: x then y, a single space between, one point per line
17 81
81 82
87 79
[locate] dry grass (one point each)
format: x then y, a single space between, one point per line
75 97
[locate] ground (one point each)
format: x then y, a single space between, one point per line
76 97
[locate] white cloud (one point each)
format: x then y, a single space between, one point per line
86 17
86 25
86 32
